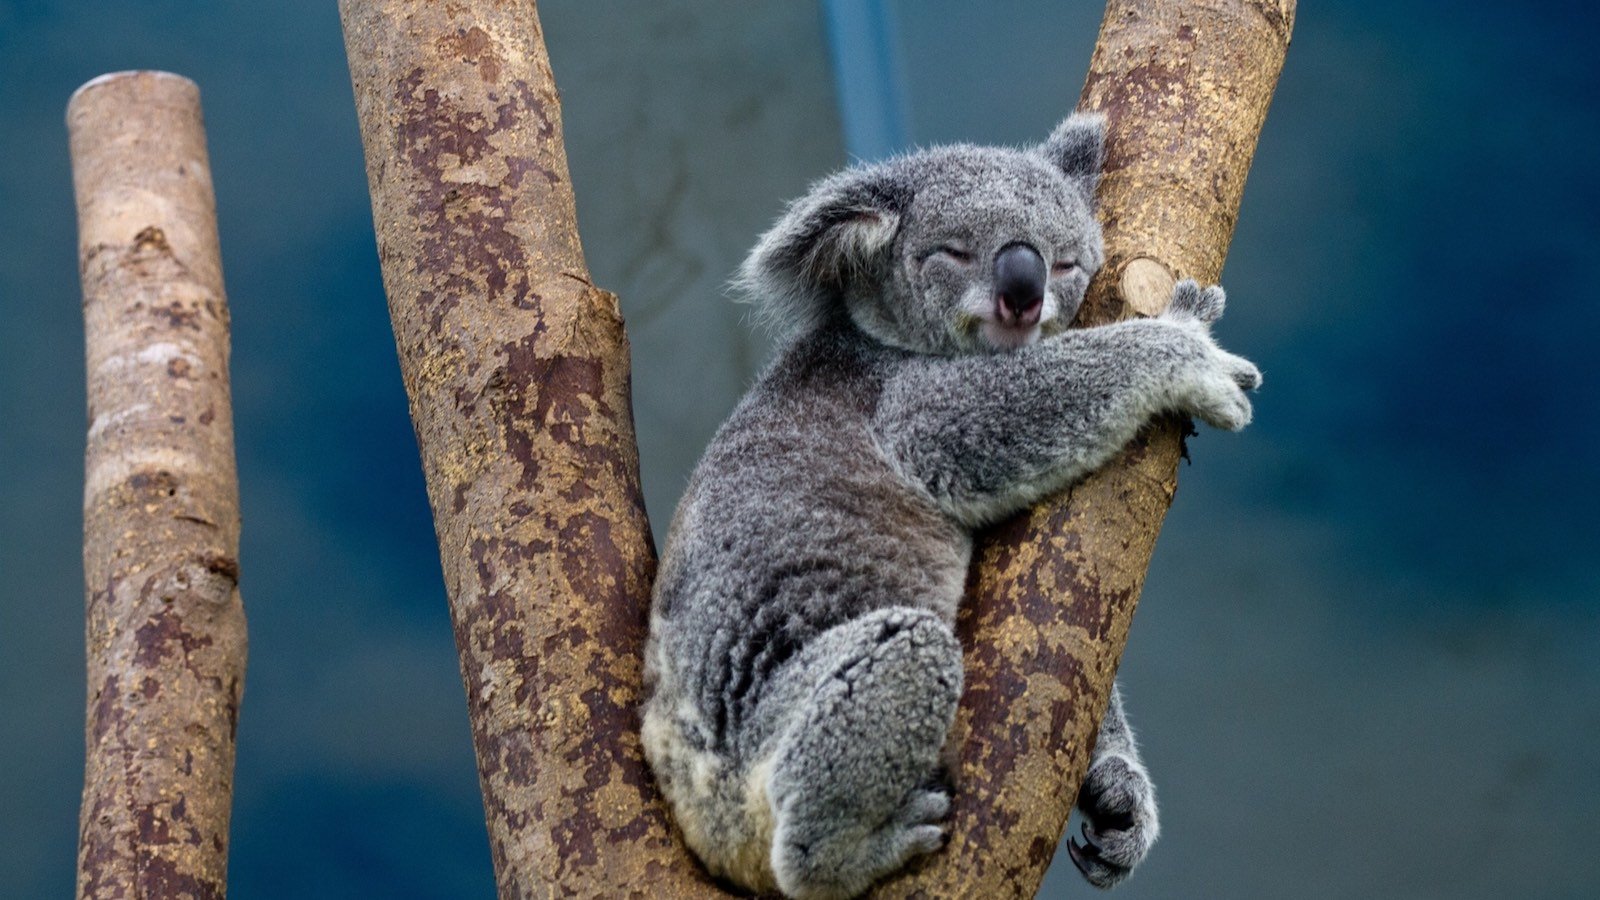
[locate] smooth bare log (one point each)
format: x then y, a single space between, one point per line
1185 87
517 371
165 626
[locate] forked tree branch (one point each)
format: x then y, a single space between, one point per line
165 631
517 370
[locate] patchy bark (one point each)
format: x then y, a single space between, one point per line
517 370
165 626
1185 87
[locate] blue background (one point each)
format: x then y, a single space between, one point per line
1367 662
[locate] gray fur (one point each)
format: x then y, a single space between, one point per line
802 671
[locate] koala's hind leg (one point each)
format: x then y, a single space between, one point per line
851 778
1118 804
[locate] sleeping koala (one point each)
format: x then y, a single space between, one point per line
802 671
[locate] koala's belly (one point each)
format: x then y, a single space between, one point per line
850 532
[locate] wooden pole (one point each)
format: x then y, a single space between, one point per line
1185 87
165 626
517 370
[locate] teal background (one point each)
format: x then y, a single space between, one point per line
1367 661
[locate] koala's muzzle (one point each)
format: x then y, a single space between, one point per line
1019 276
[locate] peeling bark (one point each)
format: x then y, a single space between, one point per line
1185 87
517 370
165 626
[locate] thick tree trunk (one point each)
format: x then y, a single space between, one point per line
165 629
1185 88
517 369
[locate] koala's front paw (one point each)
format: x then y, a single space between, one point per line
1215 389
1118 804
1218 389
1190 302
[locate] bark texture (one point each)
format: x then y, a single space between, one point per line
165 626
517 372
1185 87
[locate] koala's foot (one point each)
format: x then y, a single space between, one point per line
850 784
847 862
1120 824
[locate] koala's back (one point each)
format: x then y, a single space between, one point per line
793 523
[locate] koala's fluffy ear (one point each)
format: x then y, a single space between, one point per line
1078 147
844 227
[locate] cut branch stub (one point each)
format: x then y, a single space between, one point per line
1185 88
517 371
165 626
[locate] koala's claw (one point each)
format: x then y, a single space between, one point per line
1109 857
1090 858
1189 301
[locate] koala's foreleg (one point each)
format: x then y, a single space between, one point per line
850 782
990 435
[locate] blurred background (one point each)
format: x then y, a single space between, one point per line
1367 661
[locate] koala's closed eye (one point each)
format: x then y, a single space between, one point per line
949 252
1063 267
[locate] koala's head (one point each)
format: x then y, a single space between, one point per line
955 249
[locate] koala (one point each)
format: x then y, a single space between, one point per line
802 672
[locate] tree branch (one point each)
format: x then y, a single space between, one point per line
517 370
1185 87
165 625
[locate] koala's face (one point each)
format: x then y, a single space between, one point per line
994 251
950 250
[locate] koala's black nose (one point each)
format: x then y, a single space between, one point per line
1019 276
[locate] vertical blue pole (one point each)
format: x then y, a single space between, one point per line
867 77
